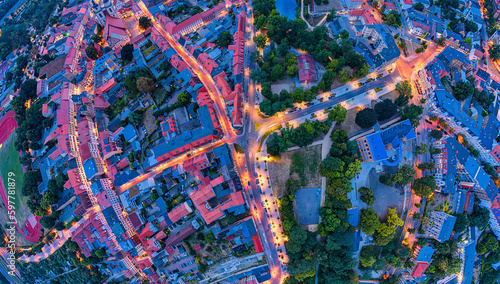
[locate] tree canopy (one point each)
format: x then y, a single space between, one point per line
366 118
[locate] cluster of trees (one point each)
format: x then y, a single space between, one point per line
492 21
339 59
127 53
137 81
488 247
333 255
183 99
392 19
445 260
35 15
342 164
68 256
337 114
301 136
144 23
424 186
463 90
404 176
404 90
367 196
383 110
276 103
224 39
31 121
411 112
275 64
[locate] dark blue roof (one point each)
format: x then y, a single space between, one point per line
377 147
446 228
90 168
125 177
129 133
470 255
207 128
425 254
353 216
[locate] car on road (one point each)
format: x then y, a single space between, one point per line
249 184
255 174
263 204
255 207
257 181
428 121
299 109
265 209
274 233
251 196
331 97
269 226
268 216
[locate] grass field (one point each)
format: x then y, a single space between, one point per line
10 163
301 164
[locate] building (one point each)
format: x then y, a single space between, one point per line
440 226
180 211
307 69
351 4
421 261
189 140
375 147
378 47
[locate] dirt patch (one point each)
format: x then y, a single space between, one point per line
149 120
349 125
386 196
392 95
305 168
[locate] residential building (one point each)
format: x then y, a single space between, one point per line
440 226
384 53
307 69
375 147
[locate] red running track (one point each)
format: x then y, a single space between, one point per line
7 125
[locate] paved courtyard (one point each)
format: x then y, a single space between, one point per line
306 205
386 196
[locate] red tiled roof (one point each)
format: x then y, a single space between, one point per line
256 243
419 269
179 211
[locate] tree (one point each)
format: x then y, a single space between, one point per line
424 186
100 253
419 6
127 52
338 113
366 118
277 73
385 109
344 34
224 39
427 166
481 249
411 112
135 117
479 217
209 237
91 52
387 179
404 88
436 134
367 196
331 167
144 23
386 231
495 52
260 40
404 176
145 84
463 90
369 222
366 259
461 223
470 26
441 41
490 242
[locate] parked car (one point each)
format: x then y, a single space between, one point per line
257 181
263 204
249 184
255 207
255 174
251 196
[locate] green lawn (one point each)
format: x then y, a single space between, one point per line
10 163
